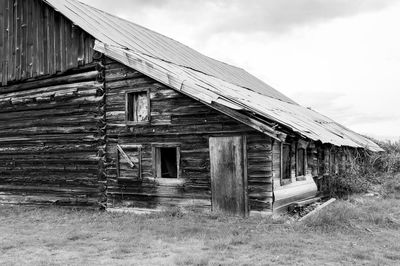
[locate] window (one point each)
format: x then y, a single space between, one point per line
129 162
321 162
166 160
301 156
137 107
335 163
346 162
332 162
286 163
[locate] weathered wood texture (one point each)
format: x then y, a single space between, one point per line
51 140
276 163
335 162
228 165
178 119
36 40
324 163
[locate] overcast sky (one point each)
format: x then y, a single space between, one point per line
339 57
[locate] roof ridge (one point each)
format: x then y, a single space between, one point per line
158 33
111 29
198 71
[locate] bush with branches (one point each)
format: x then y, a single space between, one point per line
367 170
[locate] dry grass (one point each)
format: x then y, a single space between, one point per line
359 231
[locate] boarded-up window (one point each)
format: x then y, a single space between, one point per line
301 153
137 106
129 162
286 162
166 160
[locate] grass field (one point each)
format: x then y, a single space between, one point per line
361 231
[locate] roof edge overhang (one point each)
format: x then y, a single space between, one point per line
218 93
185 87
182 80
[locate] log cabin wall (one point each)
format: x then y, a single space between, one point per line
36 40
51 137
324 162
334 162
180 120
276 163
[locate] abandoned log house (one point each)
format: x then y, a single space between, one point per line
100 112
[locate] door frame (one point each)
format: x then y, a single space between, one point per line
244 166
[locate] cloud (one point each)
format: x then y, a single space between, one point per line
345 69
227 16
336 105
328 101
361 119
283 15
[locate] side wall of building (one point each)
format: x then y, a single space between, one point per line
36 40
51 137
179 120
51 108
323 163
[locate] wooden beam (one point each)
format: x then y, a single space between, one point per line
163 76
131 164
251 122
317 209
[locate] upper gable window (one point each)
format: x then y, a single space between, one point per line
137 107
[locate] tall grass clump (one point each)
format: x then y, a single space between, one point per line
391 187
369 170
355 214
389 160
339 215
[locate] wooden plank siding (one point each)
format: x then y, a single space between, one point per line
178 119
228 165
36 40
51 140
62 115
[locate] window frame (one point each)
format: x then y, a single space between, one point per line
133 91
156 164
336 162
294 147
298 174
285 181
139 150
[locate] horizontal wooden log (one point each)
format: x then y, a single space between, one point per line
51 140
179 119
45 82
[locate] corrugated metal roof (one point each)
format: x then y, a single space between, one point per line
117 31
201 77
209 89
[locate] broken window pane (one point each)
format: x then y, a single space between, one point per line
137 106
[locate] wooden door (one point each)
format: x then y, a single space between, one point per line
228 167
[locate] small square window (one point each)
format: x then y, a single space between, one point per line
137 107
166 161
